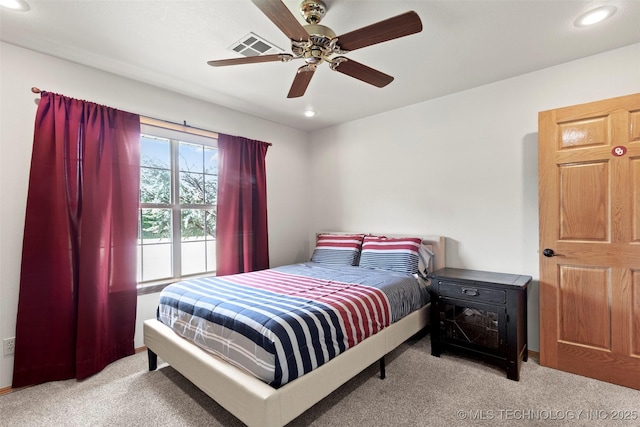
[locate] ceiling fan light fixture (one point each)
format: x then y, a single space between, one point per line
19 5
310 113
594 16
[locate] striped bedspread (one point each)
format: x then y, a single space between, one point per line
281 323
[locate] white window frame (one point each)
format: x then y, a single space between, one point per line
175 133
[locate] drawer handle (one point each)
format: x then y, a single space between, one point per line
470 291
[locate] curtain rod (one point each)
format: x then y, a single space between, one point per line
151 121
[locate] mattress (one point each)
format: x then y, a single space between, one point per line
281 323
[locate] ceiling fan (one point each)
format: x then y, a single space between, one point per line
316 43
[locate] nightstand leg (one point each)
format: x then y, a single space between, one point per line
513 371
435 348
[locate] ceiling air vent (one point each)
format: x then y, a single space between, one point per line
253 45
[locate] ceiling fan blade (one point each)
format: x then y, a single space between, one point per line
280 15
301 81
361 72
399 26
283 57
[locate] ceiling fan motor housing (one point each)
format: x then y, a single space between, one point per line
318 48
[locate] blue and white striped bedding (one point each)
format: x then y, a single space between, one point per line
281 323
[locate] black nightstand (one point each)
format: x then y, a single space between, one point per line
480 313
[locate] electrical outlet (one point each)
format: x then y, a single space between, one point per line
9 346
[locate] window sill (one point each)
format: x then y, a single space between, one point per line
153 288
157 286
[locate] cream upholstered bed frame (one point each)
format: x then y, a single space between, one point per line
256 403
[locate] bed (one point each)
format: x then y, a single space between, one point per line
274 398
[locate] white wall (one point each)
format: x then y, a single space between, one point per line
463 166
287 160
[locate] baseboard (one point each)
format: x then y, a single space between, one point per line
534 354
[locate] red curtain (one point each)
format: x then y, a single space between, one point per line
242 242
77 304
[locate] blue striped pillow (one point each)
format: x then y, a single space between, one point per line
394 254
339 249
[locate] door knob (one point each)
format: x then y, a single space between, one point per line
549 253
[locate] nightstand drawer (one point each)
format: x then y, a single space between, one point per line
471 292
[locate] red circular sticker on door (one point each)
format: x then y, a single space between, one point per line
619 151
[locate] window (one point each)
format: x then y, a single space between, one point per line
178 194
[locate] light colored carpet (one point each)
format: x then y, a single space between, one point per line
420 390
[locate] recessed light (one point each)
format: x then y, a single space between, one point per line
594 16
19 5
310 113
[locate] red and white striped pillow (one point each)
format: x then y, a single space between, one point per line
396 254
340 249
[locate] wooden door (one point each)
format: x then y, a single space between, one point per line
589 190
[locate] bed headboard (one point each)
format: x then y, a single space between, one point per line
437 243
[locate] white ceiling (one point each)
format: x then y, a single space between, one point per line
464 44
